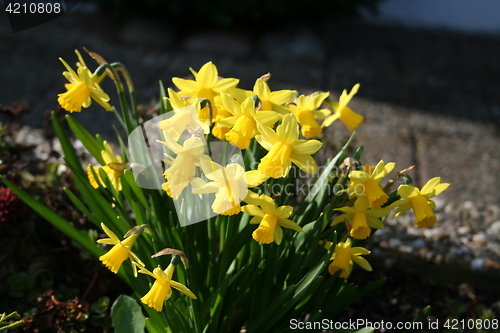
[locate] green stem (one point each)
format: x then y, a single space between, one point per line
130 85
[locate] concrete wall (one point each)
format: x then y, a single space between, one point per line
464 15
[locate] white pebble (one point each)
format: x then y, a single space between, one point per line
394 242
419 243
463 230
494 229
477 263
479 238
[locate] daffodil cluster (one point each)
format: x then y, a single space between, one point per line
370 204
122 250
282 122
232 159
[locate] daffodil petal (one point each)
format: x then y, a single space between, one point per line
306 163
345 98
261 89
362 262
374 222
281 97
267 137
321 114
207 188
330 119
440 188
289 224
278 234
307 147
358 176
288 131
255 178
341 219
183 289
317 100
252 198
284 212
267 203
408 191
379 212
230 104
256 220
107 241
403 208
110 233
207 75
185 86
268 118
356 251
252 210
225 85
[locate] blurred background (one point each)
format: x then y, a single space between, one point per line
430 92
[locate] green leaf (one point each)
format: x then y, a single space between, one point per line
358 153
129 178
368 289
309 209
92 145
68 149
268 315
55 219
152 327
127 315
80 205
164 103
421 317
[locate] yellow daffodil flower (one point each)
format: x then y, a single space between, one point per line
270 219
255 178
206 85
114 168
243 120
162 287
228 183
121 250
272 101
367 183
418 201
306 113
269 100
341 111
362 218
185 114
183 167
344 256
83 87
222 113
284 148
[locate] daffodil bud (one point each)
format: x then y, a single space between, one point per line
138 230
256 100
178 255
205 102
